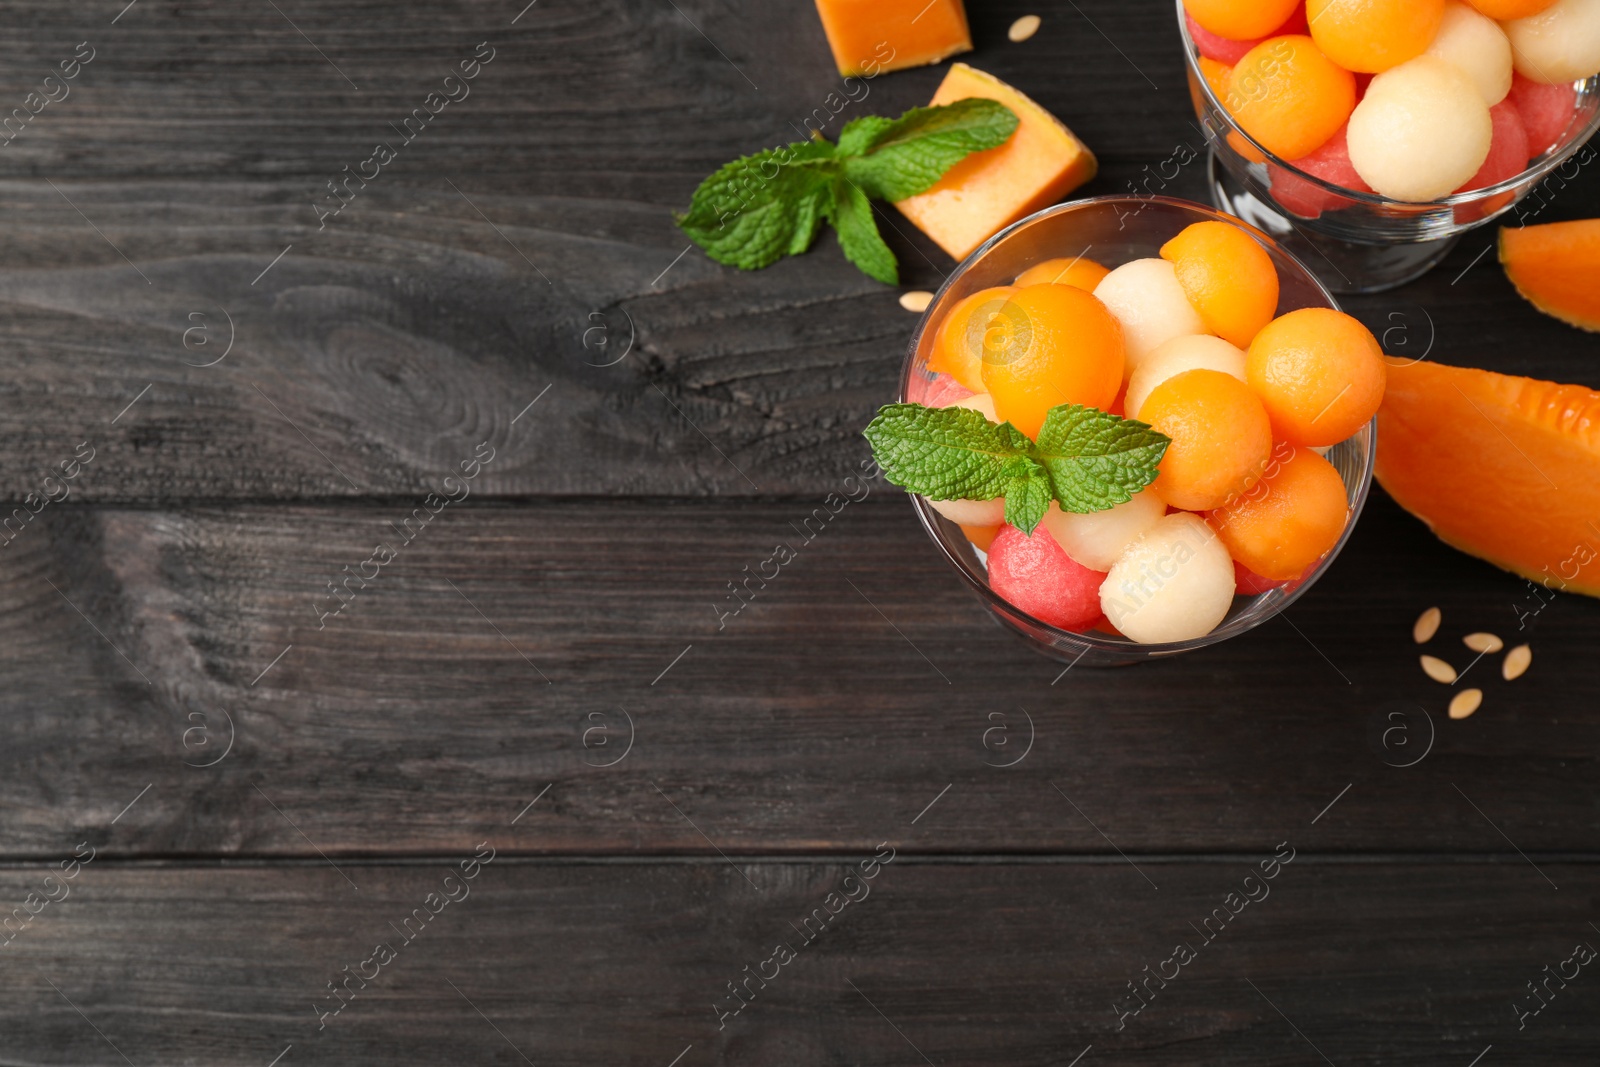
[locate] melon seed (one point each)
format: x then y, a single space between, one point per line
1516 663
916 301
1023 28
1438 670
1426 626
1483 643
1465 703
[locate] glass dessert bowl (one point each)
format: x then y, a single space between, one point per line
1117 231
1361 241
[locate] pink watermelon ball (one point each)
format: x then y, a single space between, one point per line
1035 575
1546 111
1226 49
943 391
1332 164
1508 148
1249 583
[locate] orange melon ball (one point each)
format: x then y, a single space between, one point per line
1510 9
1221 438
1241 20
1054 344
1289 519
958 344
1290 97
1216 74
1370 36
1080 273
1227 276
1319 373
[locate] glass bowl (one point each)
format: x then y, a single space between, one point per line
1114 230
1363 242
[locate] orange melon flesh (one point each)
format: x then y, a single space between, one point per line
1505 469
988 191
871 36
1556 268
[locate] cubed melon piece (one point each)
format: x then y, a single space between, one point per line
872 36
988 191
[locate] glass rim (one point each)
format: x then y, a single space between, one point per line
1099 640
1531 173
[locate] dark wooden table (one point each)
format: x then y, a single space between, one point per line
524 756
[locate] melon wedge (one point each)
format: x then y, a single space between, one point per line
1505 469
1556 268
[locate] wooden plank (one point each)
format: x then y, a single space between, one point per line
939 963
504 651
519 244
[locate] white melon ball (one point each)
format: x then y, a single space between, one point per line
1421 131
1097 541
1478 47
974 512
1146 298
982 403
1195 352
1559 44
1173 584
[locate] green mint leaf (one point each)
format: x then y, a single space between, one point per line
946 453
905 157
858 234
861 134
1096 460
1027 495
761 207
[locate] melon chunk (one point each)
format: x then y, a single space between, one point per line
988 191
1506 469
871 36
1556 268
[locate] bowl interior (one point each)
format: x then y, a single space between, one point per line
1112 231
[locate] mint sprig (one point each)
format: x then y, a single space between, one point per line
759 208
1086 460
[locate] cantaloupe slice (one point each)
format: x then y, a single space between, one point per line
988 191
1505 469
869 37
1556 268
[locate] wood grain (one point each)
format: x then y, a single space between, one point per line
466 677
943 963
524 241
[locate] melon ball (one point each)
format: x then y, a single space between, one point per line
1035 575
1508 151
1421 132
1559 44
973 512
1478 47
1147 300
1098 540
1173 584
1546 111
1194 352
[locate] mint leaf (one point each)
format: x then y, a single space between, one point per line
858 234
945 453
1086 460
1027 495
905 157
1096 460
759 208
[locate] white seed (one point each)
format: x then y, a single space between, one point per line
1465 703
1426 626
1483 643
1438 670
1516 663
916 301
1023 28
